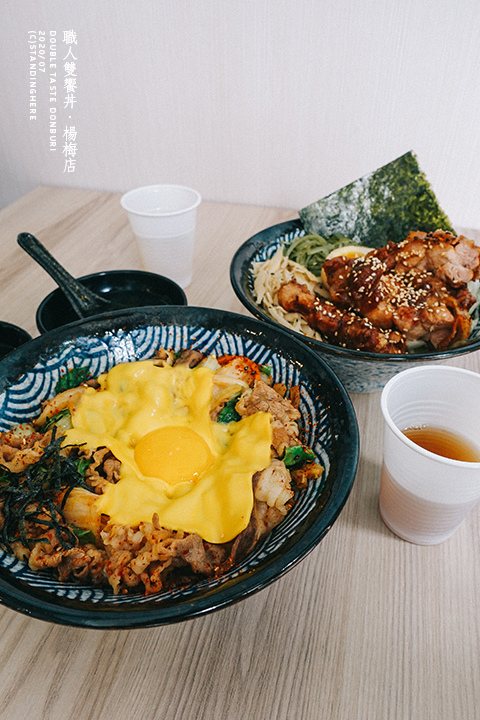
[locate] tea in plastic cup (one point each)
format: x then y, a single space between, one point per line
424 495
163 218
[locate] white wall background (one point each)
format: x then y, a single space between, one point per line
268 102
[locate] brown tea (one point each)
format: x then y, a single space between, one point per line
443 442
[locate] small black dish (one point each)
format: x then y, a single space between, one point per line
128 288
11 337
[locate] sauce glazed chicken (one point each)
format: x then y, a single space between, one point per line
395 295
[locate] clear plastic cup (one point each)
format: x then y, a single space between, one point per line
424 497
163 218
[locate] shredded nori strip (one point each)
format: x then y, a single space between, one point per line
33 496
383 205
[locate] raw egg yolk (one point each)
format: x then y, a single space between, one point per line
174 454
177 463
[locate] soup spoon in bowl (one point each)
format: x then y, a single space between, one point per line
84 301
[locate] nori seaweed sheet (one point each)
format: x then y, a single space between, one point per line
384 205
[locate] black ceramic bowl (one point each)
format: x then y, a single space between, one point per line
28 376
358 370
11 337
128 288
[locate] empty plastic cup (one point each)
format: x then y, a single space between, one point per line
425 496
163 218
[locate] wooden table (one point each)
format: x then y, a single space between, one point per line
367 627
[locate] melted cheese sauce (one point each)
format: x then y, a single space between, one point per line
195 474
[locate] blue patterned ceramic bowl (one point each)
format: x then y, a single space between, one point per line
28 376
359 371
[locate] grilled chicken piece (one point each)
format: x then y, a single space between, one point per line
453 260
342 327
417 287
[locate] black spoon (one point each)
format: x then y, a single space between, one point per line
84 301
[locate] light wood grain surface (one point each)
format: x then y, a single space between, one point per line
367 627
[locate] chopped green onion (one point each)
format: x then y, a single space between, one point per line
84 536
228 413
298 455
82 465
55 418
72 379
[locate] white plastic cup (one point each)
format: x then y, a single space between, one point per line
163 218
425 497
